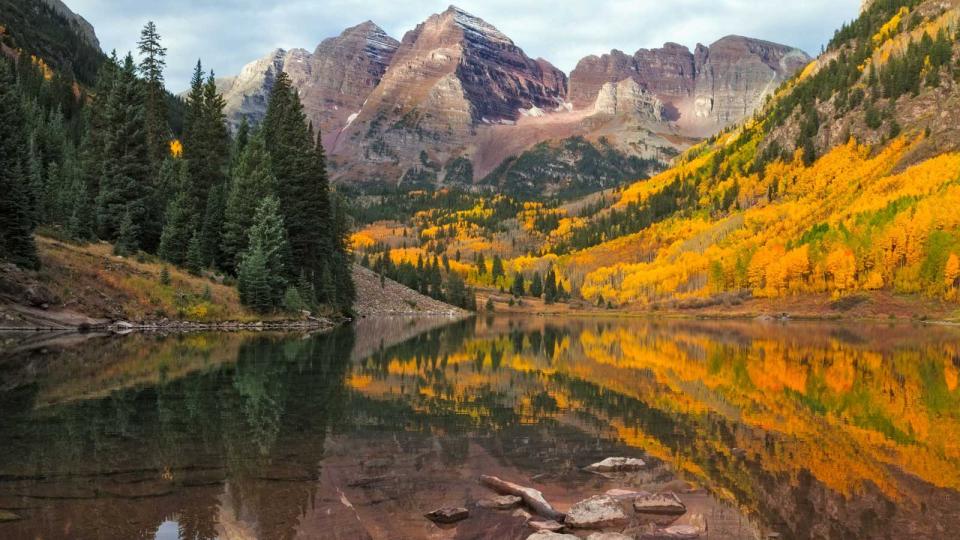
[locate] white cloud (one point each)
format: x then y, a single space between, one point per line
226 34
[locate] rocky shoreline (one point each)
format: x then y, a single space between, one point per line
616 514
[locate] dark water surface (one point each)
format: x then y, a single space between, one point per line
801 430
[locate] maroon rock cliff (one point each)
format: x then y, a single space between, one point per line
702 91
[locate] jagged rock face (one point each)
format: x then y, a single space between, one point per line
246 94
455 70
452 73
553 78
702 91
593 72
735 74
627 98
668 71
333 81
457 89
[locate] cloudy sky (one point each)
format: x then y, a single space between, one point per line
226 34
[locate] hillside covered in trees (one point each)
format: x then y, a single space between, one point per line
103 158
846 183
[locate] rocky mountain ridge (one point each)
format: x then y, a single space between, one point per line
456 88
702 91
334 80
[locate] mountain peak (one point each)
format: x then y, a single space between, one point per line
472 25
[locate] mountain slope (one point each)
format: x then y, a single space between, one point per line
848 182
47 29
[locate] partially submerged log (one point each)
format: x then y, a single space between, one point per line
533 498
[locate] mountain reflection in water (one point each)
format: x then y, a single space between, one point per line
808 430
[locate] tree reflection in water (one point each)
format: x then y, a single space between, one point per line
811 430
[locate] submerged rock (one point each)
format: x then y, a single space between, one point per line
674 532
596 513
617 464
448 514
522 514
547 535
549 525
501 502
625 494
666 504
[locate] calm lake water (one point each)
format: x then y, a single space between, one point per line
797 430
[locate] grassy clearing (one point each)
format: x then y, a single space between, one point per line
92 280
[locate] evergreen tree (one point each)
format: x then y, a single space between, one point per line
206 142
252 182
242 137
458 294
536 285
298 167
496 269
262 271
128 237
550 287
316 230
342 264
481 264
16 224
254 281
155 105
518 288
125 184
80 217
212 226
178 228
36 180
195 262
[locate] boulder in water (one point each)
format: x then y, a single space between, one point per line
448 514
596 513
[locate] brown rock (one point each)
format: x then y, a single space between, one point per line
608 536
549 525
449 514
547 535
625 494
501 502
668 504
596 513
617 464
674 532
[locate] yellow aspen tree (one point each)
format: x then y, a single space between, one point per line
951 275
842 265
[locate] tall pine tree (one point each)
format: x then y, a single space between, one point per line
253 181
16 224
151 68
262 269
316 232
125 185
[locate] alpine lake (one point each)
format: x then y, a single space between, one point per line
797 430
